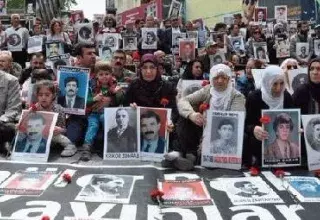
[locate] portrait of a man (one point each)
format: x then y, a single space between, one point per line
237 45
110 41
71 98
217 59
85 33
14 40
3 7
226 143
150 38
261 53
104 186
122 138
130 43
282 147
33 140
281 13
53 49
303 52
261 14
30 8
248 189
151 141
105 53
313 134
187 50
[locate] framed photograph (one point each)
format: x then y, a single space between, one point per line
175 8
3 7
107 188
65 57
257 76
130 43
260 51
293 27
306 188
184 193
54 48
190 86
302 50
154 137
316 47
77 16
221 39
193 35
73 83
35 44
30 7
281 13
149 38
111 40
35 130
260 15
187 50
247 190
176 37
228 19
105 53
199 24
283 48
223 140
237 44
122 134
217 58
14 40
27 183
85 32
282 148
311 127
297 77
99 18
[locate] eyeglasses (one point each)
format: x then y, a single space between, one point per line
256 32
289 67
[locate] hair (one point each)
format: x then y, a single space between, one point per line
37 55
71 79
260 49
300 23
40 74
114 22
188 43
36 116
187 74
233 25
282 118
104 48
120 51
225 122
219 26
52 23
241 184
7 54
102 66
59 62
96 179
79 47
238 15
151 114
14 15
315 122
48 84
258 64
152 34
121 109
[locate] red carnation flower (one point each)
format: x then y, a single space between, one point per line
279 173
265 119
204 107
45 217
66 177
33 107
205 82
164 102
254 171
156 195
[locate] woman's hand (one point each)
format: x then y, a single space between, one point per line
58 130
197 118
170 127
133 105
260 134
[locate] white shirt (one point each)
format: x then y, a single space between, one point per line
176 30
153 145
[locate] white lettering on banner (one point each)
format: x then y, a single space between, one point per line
128 212
186 214
48 208
257 211
290 212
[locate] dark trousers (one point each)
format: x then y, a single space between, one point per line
76 128
7 132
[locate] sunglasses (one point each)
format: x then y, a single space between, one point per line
289 67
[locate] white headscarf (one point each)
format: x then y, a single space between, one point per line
270 76
220 99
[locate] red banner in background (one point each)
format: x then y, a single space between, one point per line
154 8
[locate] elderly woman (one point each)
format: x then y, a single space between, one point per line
221 96
286 66
282 147
272 95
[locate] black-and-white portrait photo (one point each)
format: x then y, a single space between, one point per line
174 10
283 47
130 43
14 40
35 44
316 47
224 136
248 189
217 58
190 86
111 40
105 53
193 35
121 130
149 38
176 36
313 133
107 188
280 12
84 32
260 51
237 44
302 50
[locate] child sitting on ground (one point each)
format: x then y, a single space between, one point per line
46 94
106 93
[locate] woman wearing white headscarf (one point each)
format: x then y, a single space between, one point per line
272 95
220 95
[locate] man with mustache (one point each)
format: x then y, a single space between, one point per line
314 138
71 100
150 125
37 62
33 142
248 189
123 76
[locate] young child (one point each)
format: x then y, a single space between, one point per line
104 94
46 94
